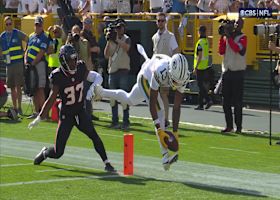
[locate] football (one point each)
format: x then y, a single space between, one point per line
172 143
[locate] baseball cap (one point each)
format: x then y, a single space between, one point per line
39 20
120 22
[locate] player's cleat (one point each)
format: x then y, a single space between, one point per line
12 114
109 168
172 159
40 156
97 93
165 162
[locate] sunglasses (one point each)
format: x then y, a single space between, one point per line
160 20
9 24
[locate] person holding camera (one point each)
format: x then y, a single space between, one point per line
232 46
116 50
273 47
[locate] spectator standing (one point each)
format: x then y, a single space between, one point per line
164 42
31 6
137 6
123 6
219 6
11 5
37 48
156 6
94 51
103 62
273 47
11 48
57 43
203 6
233 47
116 50
201 69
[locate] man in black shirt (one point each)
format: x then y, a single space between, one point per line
68 81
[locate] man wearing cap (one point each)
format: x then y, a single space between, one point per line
201 69
38 44
94 51
116 50
11 48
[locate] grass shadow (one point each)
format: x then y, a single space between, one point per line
141 180
204 131
9 121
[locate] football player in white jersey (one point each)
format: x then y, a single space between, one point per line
155 72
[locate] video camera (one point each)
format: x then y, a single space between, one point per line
110 32
226 24
73 37
262 29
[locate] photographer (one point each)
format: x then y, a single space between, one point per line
273 47
81 45
116 50
232 46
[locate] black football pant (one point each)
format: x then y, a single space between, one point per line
232 92
83 122
204 84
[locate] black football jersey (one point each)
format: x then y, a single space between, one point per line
71 88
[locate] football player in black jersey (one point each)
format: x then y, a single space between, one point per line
68 82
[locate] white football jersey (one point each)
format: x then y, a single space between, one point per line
155 70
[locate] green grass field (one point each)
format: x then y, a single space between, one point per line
210 166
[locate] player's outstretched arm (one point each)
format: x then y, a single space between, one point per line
46 107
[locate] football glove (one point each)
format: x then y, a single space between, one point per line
176 134
162 134
35 122
90 92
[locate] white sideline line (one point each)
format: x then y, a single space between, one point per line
15 165
56 180
229 149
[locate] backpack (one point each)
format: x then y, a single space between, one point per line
31 80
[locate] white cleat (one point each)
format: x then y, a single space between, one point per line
98 89
165 162
172 159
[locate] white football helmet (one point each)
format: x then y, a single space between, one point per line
178 71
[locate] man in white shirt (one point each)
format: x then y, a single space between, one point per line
164 42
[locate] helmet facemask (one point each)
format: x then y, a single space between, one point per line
68 59
67 62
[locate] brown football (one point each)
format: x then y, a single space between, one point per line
172 143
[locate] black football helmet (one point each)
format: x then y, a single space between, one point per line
67 54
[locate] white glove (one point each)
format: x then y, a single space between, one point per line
90 92
35 122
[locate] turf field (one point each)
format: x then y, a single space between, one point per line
210 166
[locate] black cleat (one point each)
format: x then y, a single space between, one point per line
40 156
109 168
12 114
